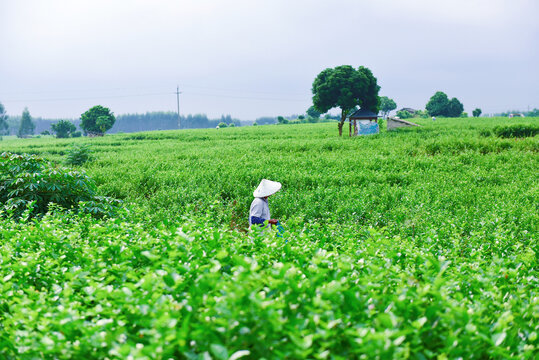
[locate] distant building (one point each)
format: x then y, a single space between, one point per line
410 110
515 115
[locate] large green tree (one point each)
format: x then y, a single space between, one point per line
97 120
477 112
26 126
387 105
437 105
440 105
345 87
63 128
455 108
3 120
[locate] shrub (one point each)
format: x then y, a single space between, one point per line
63 128
76 134
97 120
403 114
28 182
222 125
516 131
485 132
78 155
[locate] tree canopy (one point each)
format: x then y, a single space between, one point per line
26 126
312 112
387 105
63 128
477 112
3 120
440 105
97 120
345 87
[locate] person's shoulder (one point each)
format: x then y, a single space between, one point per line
257 200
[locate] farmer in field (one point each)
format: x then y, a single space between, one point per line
259 212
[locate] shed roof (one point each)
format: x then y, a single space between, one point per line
402 121
363 114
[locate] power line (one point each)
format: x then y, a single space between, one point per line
248 97
88 98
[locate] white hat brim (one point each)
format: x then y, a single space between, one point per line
267 188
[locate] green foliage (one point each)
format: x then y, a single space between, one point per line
26 126
63 128
231 125
191 288
416 243
346 88
3 121
476 112
313 113
440 105
387 105
222 125
533 113
281 120
76 134
421 114
29 183
437 104
97 120
403 114
78 155
516 130
455 108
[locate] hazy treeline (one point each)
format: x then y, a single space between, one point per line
160 120
40 123
167 121
137 122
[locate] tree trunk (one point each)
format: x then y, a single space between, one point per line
350 128
341 123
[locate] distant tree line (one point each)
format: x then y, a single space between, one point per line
167 121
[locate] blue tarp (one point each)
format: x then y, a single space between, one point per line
368 129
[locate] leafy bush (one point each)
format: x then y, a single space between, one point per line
78 155
485 132
114 289
403 114
222 125
63 128
76 134
97 120
516 131
30 182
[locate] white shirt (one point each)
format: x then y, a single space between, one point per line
259 208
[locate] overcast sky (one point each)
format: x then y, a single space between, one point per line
252 58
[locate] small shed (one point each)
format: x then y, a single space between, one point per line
366 118
393 123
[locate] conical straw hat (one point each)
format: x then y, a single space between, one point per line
267 188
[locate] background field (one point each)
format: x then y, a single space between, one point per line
413 243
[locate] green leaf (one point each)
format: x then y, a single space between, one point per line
219 351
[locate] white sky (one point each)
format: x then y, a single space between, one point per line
252 58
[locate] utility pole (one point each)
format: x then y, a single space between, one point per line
178 99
